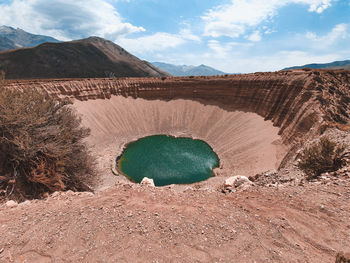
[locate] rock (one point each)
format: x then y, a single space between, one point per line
237 181
69 193
254 178
270 173
86 194
11 204
342 258
147 181
25 203
217 171
343 170
55 194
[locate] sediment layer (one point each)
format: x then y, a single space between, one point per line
244 142
245 118
295 101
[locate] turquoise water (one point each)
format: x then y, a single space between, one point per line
168 160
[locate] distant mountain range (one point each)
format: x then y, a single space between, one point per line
6 43
184 70
26 55
11 38
93 57
333 65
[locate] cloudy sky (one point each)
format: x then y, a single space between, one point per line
230 35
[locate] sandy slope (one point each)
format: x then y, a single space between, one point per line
244 142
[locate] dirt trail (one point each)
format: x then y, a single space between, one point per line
132 223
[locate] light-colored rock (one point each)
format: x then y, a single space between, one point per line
270 173
86 194
217 171
237 181
55 194
147 181
70 193
11 204
25 203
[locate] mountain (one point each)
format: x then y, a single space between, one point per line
333 65
17 38
93 57
6 43
184 70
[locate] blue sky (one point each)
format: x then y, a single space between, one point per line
230 35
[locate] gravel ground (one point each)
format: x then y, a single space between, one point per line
133 223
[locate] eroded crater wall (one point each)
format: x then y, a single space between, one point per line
295 101
241 116
244 142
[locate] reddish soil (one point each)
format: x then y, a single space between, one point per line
130 223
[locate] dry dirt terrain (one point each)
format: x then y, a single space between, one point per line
132 223
255 122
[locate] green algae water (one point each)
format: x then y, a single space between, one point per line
168 160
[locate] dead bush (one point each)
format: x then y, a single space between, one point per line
41 146
323 156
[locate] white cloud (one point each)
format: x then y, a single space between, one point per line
220 50
317 6
187 34
339 32
237 62
235 18
224 50
156 42
222 28
269 31
255 36
66 19
283 59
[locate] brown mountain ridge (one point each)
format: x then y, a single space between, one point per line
92 57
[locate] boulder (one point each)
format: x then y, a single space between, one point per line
237 181
11 204
56 194
25 203
147 181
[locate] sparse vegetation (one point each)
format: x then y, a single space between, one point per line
2 75
323 156
41 148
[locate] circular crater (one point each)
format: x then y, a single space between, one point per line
168 160
244 142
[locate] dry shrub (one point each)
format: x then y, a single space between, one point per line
323 156
41 146
342 258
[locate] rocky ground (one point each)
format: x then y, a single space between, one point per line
134 223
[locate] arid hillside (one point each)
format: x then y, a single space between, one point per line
87 58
